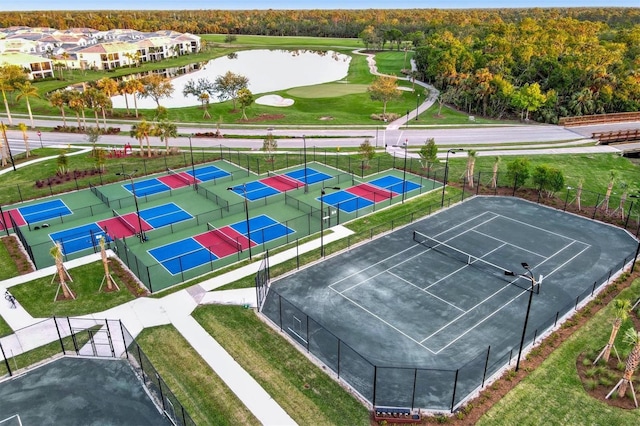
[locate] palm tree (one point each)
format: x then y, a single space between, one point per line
141 131
165 129
621 310
607 195
9 76
56 253
108 86
471 162
25 137
124 91
105 263
135 87
77 103
59 99
632 338
26 91
93 98
3 144
494 177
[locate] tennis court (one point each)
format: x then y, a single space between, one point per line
409 317
78 391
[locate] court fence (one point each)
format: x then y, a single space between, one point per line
86 337
412 386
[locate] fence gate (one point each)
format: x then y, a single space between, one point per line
262 281
94 342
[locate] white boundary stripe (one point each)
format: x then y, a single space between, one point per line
514 298
425 291
15 416
508 243
45 210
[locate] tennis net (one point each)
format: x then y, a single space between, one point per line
181 176
291 182
125 222
224 237
466 258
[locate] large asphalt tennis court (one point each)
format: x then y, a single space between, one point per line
394 302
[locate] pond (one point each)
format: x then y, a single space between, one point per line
267 71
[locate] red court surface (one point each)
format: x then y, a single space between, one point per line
281 183
177 180
117 229
371 193
224 241
17 217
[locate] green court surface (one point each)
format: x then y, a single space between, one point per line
78 391
414 325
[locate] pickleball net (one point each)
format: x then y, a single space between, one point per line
467 258
180 176
225 237
125 222
286 180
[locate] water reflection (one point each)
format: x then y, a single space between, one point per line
267 71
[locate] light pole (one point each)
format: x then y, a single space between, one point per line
246 210
534 287
306 184
322 192
193 167
404 172
141 234
446 171
417 104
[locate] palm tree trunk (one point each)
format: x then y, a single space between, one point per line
33 126
104 118
105 264
135 103
629 370
64 117
612 338
148 147
78 117
84 120
6 107
141 147
95 113
26 145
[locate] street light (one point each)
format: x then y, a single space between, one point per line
193 167
417 104
446 171
246 209
306 183
535 286
141 234
404 172
322 192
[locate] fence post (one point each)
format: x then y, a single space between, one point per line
413 394
6 361
486 365
126 349
73 336
455 386
375 380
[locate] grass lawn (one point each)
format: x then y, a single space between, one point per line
392 62
553 394
327 90
5 330
305 392
8 268
37 296
204 395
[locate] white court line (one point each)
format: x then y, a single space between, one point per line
514 298
383 321
401 252
425 291
544 230
509 244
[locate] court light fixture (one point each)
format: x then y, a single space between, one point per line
446 171
246 210
141 234
535 286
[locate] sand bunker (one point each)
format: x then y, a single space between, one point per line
274 100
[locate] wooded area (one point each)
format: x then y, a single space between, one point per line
539 64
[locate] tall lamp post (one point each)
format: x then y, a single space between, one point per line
404 172
193 167
417 105
306 184
446 171
322 218
535 286
141 234
246 210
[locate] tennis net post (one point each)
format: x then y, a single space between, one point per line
224 237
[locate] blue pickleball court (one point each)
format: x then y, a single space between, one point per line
79 238
395 184
147 187
313 176
255 190
182 255
263 229
345 201
164 215
208 173
44 211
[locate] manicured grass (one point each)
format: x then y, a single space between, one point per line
554 394
204 395
393 62
37 296
328 90
5 330
285 41
305 392
8 268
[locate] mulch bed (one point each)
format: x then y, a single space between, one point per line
16 252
